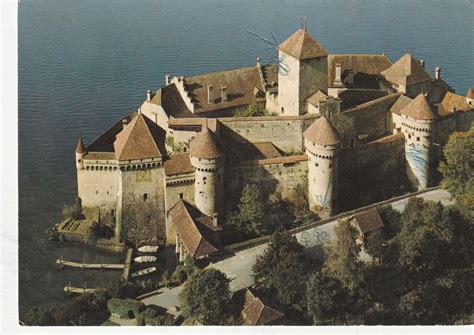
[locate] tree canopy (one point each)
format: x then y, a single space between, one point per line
327 300
254 109
342 257
458 169
282 268
205 296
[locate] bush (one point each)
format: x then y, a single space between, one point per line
183 272
85 310
99 230
127 308
154 317
38 316
73 212
254 109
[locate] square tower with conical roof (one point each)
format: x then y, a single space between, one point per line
302 71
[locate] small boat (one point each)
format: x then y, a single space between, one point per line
148 248
143 272
145 259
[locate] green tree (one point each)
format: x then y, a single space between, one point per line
458 169
282 268
254 109
251 211
391 219
300 205
327 300
425 233
38 316
375 244
205 296
342 258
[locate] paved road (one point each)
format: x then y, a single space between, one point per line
238 267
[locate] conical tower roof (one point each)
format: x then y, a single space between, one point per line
470 93
204 145
418 108
139 139
80 147
322 132
302 46
406 71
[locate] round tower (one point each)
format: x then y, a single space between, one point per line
80 153
207 159
418 126
470 97
322 145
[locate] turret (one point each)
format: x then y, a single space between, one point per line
417 126
470 97
322 145
207 159
80 153
302 72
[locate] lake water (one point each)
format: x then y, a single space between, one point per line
84 64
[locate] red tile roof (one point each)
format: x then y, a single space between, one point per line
256 313
188 229
366 68
316 98
406 71
418 108
205 145
470 93
451 103
322 132
302 46
80 148
178 164
368 221
141 138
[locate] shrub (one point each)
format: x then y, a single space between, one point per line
38 316
99 230
154 317
251 110
127 308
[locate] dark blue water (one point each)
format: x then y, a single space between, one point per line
83 64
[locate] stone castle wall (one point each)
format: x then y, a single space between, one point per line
372 172
372 119
279 175
143 205
284 132
98 188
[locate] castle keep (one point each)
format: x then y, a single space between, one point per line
166 172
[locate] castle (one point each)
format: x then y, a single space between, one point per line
165 173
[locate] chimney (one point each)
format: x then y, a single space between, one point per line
224 93
422 62
210 94
148 95
167 79
437 73
214 220
124 123
337 75
350 77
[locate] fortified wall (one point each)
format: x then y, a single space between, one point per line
272 175
372 172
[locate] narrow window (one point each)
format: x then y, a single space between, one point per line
418 139
112 212
181 195
145 196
